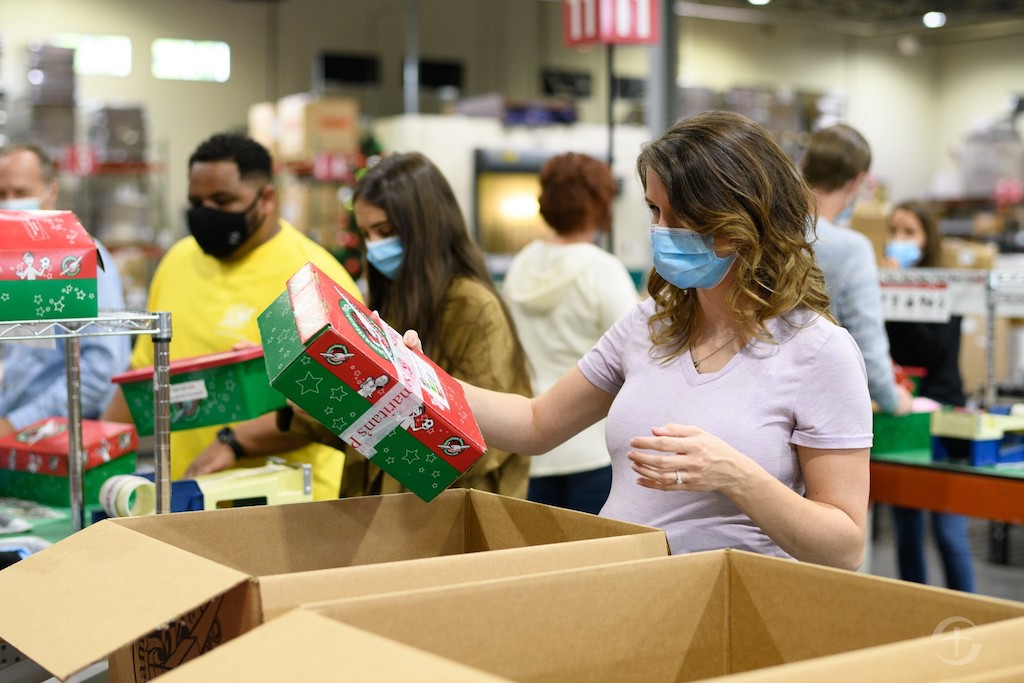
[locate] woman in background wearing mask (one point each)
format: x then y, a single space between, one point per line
425 272
915 242
737 411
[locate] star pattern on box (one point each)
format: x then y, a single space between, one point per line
37 299
5 297
338 393
411 456
339 424
305 360
229 385
309 384
81 295
58 305
431 458
329 410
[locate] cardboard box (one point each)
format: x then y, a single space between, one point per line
870 219
961 253
47 267
34 460
210 576
680 618
308 124
263 125
301 646
349 370
206 390
975 346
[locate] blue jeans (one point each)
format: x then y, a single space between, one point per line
950 536
583 491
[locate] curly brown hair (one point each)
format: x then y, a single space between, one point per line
576 193
726 176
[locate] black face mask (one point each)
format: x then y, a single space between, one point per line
221 233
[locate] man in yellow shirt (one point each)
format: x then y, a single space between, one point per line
216 282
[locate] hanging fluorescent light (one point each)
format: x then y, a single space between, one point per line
759 2
934 19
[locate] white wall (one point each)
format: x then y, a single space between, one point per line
912 109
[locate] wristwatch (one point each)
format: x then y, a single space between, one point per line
227 437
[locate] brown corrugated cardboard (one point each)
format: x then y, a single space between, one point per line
201 575
305 647
990 652
869 218
668 619
308 124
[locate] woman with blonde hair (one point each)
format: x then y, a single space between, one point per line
737 411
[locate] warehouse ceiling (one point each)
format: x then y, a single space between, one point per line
865 18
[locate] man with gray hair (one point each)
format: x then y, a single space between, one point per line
33 380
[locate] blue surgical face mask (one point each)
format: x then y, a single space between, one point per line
904 252
385 255
687 259
21 204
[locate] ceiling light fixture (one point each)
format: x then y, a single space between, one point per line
759 2
934 19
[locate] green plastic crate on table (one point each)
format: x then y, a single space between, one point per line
894 433
206 390
34 460
47 267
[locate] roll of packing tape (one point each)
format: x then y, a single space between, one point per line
128 495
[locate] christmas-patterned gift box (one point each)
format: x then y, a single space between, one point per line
348 369
47 266
34 460
213 389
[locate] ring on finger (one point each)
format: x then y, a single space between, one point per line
679 478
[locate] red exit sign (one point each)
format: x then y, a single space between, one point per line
610 22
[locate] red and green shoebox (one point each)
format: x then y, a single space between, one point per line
47 266
34 460
350 371
206 390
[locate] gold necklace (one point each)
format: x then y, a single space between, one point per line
697 362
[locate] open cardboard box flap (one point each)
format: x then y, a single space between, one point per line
677 618
108 590
332 652
53 599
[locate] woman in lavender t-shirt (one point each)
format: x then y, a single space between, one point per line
737 410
